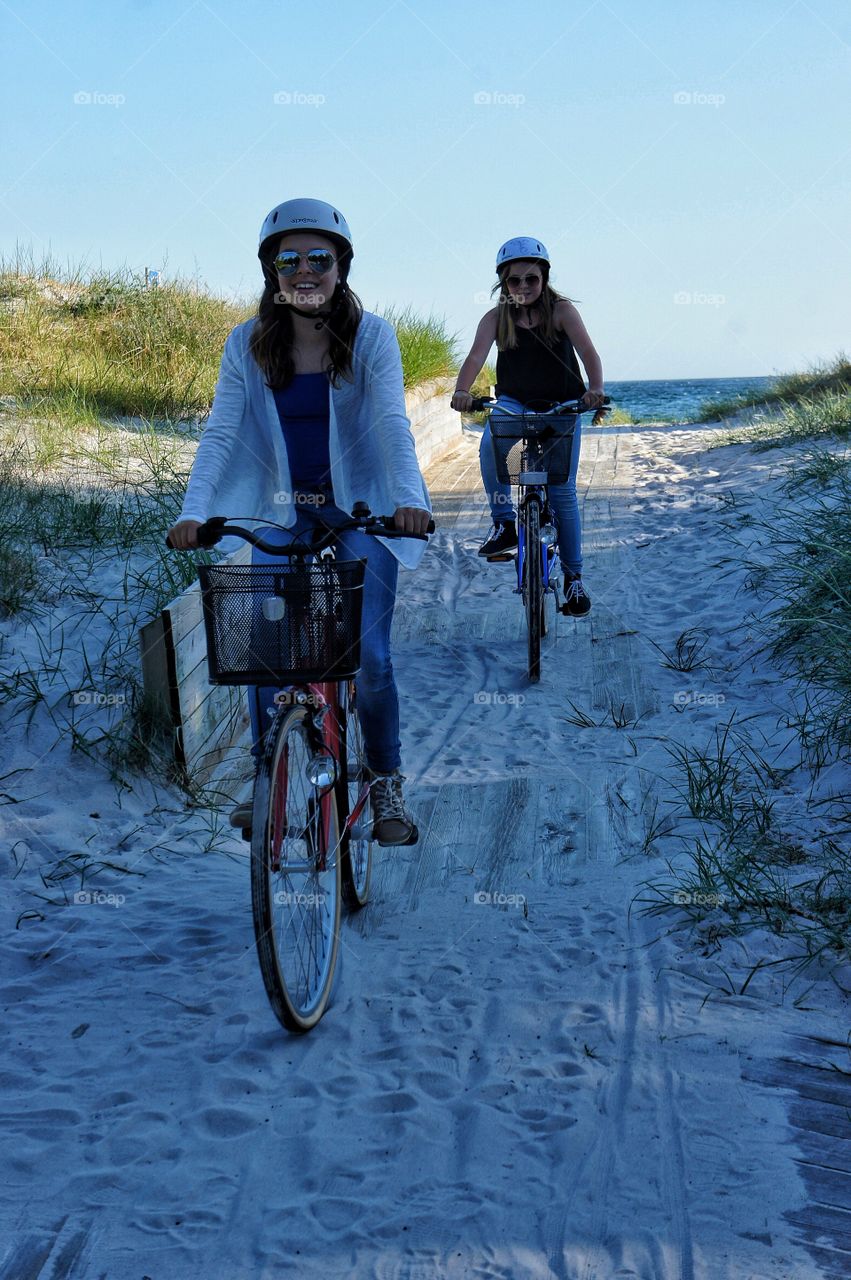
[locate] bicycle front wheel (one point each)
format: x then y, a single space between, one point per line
533 586
295 874
353 803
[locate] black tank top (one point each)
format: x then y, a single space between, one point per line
534 370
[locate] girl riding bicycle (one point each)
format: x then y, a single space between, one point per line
538 334
308 419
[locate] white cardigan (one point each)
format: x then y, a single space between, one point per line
241 467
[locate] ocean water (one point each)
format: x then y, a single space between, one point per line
677 400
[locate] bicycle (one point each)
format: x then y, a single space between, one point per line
532 454
297 626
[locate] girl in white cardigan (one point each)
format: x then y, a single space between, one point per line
308 418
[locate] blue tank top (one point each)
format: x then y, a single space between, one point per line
304 411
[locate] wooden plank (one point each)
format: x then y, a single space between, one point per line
203 721
185 609
819 1103
813 1083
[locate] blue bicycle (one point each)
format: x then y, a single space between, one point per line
533 449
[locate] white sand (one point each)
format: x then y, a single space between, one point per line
495 1092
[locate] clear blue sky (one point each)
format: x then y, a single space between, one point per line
687 163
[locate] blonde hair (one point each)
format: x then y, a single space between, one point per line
506 321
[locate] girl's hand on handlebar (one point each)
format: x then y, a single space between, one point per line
593 399
411 519
461 401
184 535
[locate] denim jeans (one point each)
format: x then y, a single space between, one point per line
378 700
563 499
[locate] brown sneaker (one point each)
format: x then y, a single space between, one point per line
392 824
241 815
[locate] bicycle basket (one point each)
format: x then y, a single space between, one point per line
535 442
282 624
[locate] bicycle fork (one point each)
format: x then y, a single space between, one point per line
549 536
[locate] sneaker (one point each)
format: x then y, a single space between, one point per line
500 542
392 824
577 601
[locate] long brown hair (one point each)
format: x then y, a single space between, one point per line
271 341
506 321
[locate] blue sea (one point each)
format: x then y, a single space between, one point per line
677 400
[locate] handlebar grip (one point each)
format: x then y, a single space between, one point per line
208 533
390 525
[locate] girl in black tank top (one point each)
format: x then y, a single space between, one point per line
540 340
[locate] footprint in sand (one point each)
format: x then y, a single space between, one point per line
227 1122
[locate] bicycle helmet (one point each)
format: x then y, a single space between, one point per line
522 247
303 214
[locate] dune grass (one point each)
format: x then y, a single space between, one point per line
77 347
80 346
428 351
830 377
798 421
757 862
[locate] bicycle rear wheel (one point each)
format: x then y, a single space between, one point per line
533 591
295 874
353 802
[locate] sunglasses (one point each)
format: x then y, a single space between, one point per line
319 260
514 281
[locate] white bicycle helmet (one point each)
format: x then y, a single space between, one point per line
305 215
522 247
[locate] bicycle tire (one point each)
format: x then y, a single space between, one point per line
533 584
296 902
356 845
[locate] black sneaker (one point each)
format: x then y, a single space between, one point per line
577 601
500 542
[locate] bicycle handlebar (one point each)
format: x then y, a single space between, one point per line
217 527
567 406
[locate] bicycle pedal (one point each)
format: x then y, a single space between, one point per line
500 558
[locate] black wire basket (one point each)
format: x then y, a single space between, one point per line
282 624
535 442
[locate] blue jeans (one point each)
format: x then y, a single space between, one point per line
563 499
378 699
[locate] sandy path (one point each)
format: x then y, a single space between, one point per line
529 1086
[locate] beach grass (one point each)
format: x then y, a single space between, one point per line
832 376
77 346
428 350
757 863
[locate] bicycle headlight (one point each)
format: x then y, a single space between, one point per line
548 535
321 771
